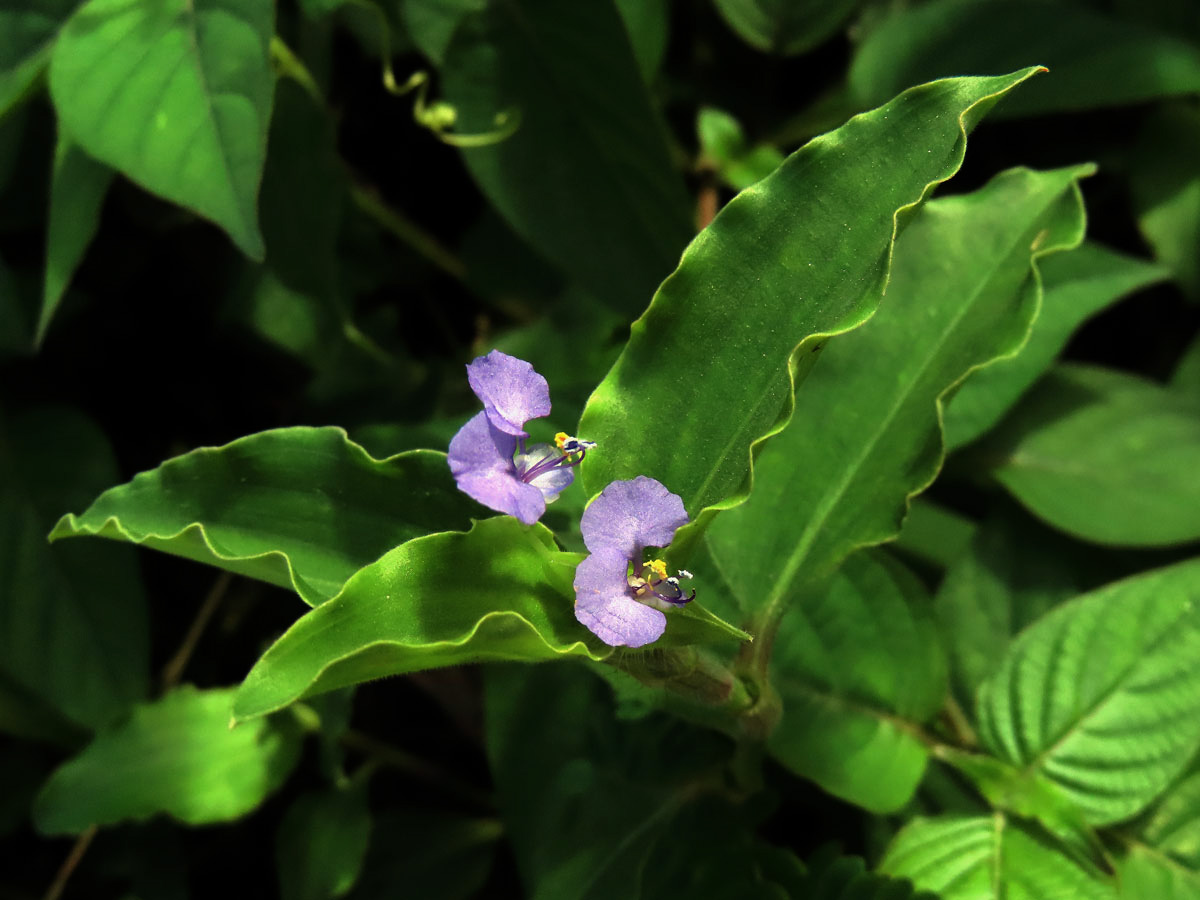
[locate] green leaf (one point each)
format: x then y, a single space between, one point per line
1144 873
28 29
1186 378
432 23
432 854
73 629
646 24
846 878
1095 60
1165 184
934 534
1105 456
1012 573
176 755
498 592
176 95
1077 285
1163 859
963 292
587 178
302 508
859 668
321 842
782 267
1101 697
77 188
785 27
992 858
593 807
723 146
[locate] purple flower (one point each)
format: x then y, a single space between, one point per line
619 597
488 457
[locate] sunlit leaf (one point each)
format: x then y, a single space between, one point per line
865 435
303 508
801 256
176 755
1105 456
988 858
1101 697
1077 285
175 94
498 592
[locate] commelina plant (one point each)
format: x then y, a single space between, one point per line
945 604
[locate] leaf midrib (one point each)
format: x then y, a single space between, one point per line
799 553
1169 632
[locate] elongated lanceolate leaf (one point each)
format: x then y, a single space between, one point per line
77 191
859 668
1105 456
1096 60
303 508
176 755
499 592
865 433
587 178
709 369
1077 285
176 94
73 631
988 858
27 32
1101 697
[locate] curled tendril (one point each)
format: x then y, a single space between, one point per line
440 116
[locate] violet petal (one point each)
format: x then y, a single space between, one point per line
604 605
552 481
631 515
511 391
481 460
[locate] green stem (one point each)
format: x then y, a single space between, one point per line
407 231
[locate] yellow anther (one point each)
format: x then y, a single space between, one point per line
658 567
561 438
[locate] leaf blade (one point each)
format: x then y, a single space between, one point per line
1099 697
175 94
176 755
303 508
691 333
